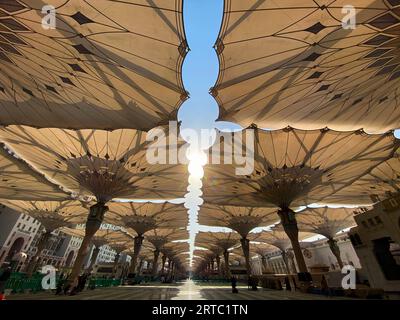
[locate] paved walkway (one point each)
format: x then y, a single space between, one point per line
187 290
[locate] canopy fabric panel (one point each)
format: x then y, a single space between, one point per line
277 238
262 249
104 164
173 249
295 167
51 214
19 181
159 237
141 217
101 237
107 64
325 221
240 219
222 240
291 62
203 254
380 183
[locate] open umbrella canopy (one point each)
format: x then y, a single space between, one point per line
21 182
236 256
101 237
380 183
141 217
119 247
240 219
159 237
99 163
203 254
105 64
261 248
325 221
294 63
173 249
277 238
220 240
295 167
51 214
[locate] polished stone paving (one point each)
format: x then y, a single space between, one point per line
187 290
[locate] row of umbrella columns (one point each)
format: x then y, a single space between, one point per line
108 165
219 244
300 167
158 242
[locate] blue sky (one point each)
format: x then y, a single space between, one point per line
200 70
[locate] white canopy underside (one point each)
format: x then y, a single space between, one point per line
106 65
291 62
21 182
104 164
295 167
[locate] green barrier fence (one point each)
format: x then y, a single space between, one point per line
103 283
19 282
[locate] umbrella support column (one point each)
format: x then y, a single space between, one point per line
218 261
136 251
94 221
155 263
289 224
226 260
163 261
246 252
336 251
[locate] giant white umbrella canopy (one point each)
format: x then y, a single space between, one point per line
327 222
262 249
382 182
20 181
295 168
172 250
98 163
138 218
52 215
159 237
241 219
280 240
293 63
106 64
219 242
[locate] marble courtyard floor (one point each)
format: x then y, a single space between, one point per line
187 290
